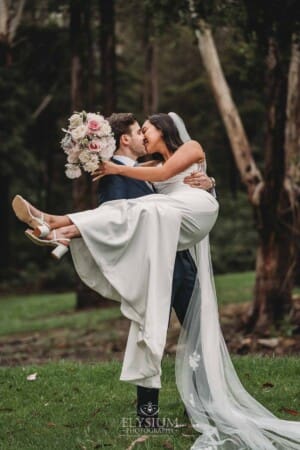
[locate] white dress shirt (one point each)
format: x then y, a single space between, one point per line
127 161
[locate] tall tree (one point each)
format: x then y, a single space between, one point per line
150 91
292 133
108 57
273 197
81 42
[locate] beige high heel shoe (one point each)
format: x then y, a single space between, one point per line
22 210
60 249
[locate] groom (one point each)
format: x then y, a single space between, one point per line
130 146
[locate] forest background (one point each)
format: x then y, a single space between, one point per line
139 56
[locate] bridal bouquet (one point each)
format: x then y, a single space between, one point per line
87 141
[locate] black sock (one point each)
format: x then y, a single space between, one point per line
147 406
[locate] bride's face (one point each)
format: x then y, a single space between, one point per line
152 137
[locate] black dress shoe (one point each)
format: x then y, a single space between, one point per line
147 407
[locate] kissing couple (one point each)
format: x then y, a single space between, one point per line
150 252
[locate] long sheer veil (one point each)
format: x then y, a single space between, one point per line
219 407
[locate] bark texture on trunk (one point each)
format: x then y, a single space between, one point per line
10 17
292 145
150 91
108 56
292 131
5 213
275 264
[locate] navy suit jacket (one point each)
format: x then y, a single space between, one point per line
115 187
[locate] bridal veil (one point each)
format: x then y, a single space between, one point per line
219 407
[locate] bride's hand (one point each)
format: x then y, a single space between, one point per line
105 168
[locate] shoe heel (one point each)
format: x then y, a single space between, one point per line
41 231
59 251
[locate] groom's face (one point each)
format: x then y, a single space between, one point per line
136 142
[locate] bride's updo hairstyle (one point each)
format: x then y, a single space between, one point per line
165 124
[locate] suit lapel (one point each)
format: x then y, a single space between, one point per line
133 180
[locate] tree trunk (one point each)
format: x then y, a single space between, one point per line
271 201
82 187
276 254
5 213
150 91
5 208
108 56
90 63
292 144
240 145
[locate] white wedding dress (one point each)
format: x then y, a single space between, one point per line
127 253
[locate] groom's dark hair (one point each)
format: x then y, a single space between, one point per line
120 124
165 124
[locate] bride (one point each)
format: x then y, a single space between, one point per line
125 250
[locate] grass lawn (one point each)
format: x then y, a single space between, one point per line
75 405
47 311
81 406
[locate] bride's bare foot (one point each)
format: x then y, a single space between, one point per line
63 235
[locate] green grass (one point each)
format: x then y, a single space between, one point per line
235 287
80 406
47 311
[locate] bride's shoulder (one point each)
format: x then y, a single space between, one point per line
192 144
193 147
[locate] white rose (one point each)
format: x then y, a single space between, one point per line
72 171
75 150
92 165
66 142
105 129
79 132
108 146
75 121
84 156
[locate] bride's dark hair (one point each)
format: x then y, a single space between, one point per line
165 124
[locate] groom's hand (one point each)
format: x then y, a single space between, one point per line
200 180
105 168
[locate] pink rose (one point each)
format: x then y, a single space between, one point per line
94 146
93 125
